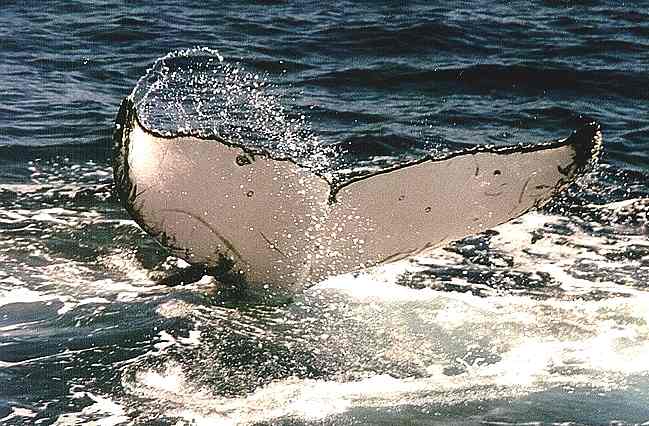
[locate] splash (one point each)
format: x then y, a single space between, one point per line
195 92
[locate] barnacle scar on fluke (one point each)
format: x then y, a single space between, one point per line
284 223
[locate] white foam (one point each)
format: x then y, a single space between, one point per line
25 295
375 284
17 412
172 380
103 412
505 346
166 341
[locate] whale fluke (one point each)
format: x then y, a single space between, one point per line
284 224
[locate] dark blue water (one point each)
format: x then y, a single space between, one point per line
545 319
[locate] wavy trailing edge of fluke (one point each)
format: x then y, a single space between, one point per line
284 225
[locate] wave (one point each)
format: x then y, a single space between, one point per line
97 151
396 39
345 116
484 77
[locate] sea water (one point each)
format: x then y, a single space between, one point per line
542 320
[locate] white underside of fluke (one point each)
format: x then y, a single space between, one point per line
282 225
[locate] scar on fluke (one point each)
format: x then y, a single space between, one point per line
231 248
326 228
271 244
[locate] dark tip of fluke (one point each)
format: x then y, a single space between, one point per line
120 147
587 142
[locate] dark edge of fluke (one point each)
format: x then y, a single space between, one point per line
587 142
122 183
124 186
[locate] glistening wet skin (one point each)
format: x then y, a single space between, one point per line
280 219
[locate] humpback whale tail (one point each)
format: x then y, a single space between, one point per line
282 223
214 171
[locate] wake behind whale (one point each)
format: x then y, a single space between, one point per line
207 161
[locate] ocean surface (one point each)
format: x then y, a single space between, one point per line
542 320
